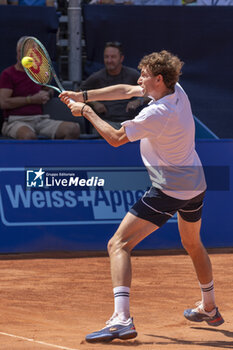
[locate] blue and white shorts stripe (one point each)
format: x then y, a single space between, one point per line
155 206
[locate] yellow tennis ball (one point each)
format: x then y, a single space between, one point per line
27 61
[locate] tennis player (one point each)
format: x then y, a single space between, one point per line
166 130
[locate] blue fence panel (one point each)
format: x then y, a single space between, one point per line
200 35
60 217
17 21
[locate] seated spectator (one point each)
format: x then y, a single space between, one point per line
3 2
22 100
114 112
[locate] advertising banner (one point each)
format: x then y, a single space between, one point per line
79 207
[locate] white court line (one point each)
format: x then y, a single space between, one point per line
37 341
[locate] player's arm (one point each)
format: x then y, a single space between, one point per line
113 136
115 92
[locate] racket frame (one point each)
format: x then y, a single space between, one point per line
54 75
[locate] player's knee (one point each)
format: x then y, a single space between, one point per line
116 245
111 246
191 245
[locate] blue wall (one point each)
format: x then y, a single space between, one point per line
70 219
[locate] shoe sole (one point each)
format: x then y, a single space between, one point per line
128 336
217 322
107 339
214 323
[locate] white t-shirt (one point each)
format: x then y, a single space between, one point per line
167 132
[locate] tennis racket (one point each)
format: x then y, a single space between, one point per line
42 71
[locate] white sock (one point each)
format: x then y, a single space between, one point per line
121 301
207 292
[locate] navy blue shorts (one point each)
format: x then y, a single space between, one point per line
155 206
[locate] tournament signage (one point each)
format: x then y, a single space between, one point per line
75 196
79 206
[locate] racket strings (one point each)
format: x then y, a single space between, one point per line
40 70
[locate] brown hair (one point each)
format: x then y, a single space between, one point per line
164 63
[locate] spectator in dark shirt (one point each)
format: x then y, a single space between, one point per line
114 112
22 100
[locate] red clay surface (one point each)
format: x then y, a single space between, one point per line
54 303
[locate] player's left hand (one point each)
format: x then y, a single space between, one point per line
75 107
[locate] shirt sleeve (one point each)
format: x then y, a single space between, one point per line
150 122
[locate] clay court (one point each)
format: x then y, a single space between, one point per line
53 302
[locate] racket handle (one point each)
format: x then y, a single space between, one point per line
72 101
